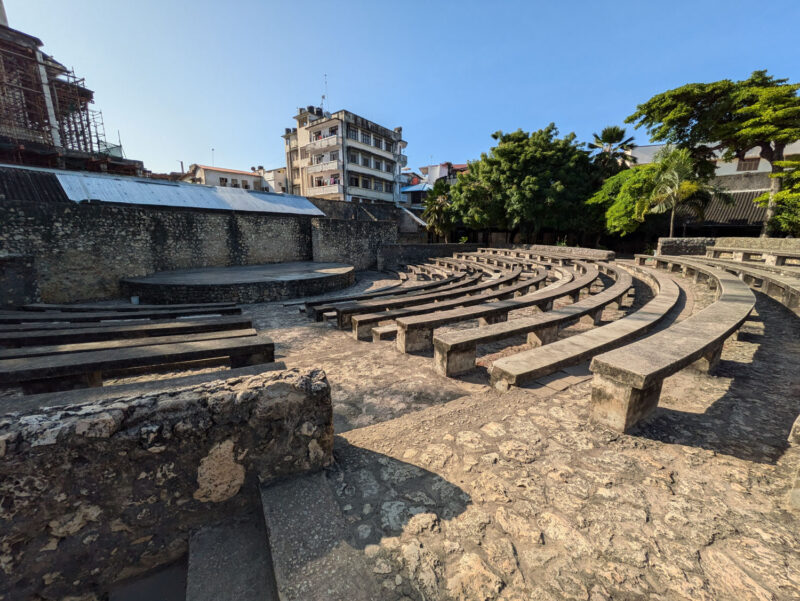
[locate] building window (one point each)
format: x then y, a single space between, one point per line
334 131
245 184
354 181
234 183
378 185
389 167
318 181
366 138
257 185
335 155
365 160
352 133
377 142
389 187
365 183
223 181
335 179
319 158
748 164
389 146
378 165
353 157
295 173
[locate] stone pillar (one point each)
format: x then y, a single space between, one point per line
709 361
453 362
543 336
415 339
619 406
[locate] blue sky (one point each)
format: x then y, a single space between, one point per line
178 78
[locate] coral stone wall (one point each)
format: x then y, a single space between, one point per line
354 242
99 492
697 246
81 250
394 255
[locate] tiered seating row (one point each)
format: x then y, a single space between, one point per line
46 351
455 352
627 381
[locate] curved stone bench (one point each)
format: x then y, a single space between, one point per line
627 381
428 288
554 258
127 308
783 288
768 256
315 309
455 352
34 317
415 333
471 285
363 323
529 365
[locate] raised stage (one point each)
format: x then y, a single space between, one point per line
241 284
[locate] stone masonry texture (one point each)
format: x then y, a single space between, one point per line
172 462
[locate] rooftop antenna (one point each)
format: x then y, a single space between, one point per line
212 158
324 96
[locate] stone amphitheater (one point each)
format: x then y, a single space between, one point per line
529 422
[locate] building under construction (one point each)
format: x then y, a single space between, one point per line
45 114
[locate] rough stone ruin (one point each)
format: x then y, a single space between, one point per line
454 422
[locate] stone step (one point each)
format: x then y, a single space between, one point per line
329 316
231 562
313 558
388 332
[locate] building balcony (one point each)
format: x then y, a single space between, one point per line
356 168
370 148
371 194
325 190
325 167
328 142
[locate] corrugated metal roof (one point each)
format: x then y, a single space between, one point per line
417 188
743 211
79 186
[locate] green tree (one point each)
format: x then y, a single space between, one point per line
786 201
439 213
676 184
732 117
612 149
619 195
527 182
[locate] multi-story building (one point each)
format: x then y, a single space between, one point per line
266 180
341 156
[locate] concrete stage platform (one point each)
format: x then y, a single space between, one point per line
242 284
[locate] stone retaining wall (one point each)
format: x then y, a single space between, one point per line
356 243
99 492
697 246
17 281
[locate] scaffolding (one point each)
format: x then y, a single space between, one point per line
43 102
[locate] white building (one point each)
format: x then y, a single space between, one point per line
258 178
341 156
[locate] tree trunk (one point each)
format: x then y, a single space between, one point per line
774 188
672 222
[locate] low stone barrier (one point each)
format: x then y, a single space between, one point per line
391 256
698 246
98 492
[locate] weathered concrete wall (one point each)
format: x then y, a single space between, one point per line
82 250
391 256
96 493
697 246
354 242
17 281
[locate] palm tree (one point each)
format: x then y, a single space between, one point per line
438 212
612 146
676 185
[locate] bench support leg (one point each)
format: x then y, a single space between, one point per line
619 406
543 336
453 363
418 339
709 361
594 317
490 319
267 356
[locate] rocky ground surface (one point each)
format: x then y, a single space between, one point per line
455 491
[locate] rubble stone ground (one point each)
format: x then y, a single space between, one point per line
454 490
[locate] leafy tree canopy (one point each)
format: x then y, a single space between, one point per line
620 195
611 149
528 181
439 213
787 200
